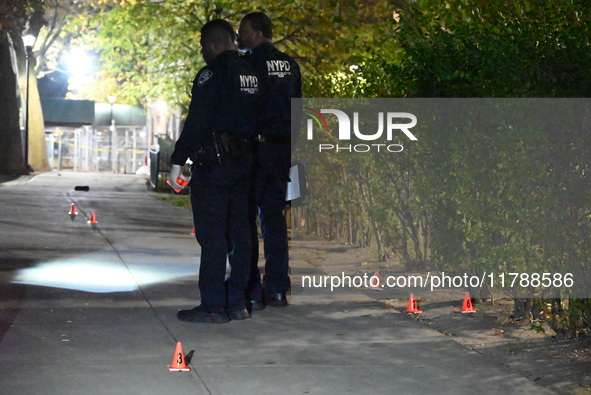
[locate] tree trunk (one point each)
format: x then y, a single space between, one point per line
37 145
367 199
11 152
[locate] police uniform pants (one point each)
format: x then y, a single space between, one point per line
271 177
220 202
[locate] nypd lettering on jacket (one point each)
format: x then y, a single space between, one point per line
279 68
249 83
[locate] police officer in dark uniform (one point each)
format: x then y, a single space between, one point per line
217 136
280 82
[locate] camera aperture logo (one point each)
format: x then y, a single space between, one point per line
396 124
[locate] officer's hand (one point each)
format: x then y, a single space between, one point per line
175 172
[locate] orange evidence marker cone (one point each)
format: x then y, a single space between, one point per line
413 307
73 210
374 282
193 231
178 360
92 220
468 307
182 181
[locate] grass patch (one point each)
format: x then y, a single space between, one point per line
182 201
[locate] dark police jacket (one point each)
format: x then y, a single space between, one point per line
280 82
224 101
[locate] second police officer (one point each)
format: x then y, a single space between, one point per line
280 81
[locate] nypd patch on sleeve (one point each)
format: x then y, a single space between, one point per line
204 76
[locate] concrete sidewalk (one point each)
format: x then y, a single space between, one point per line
92 310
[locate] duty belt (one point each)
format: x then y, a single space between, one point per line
221 148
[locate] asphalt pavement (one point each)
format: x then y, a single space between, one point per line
91 309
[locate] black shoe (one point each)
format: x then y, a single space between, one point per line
256 305
276 299
238 314
198 314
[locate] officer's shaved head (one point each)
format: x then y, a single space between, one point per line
218 31
217 36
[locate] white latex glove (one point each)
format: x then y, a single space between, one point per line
175 172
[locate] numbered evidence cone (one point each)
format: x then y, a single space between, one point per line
92 220
468 307
73 210
374 282
413 306
178 360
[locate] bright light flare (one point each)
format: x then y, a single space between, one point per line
79 62
100 276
